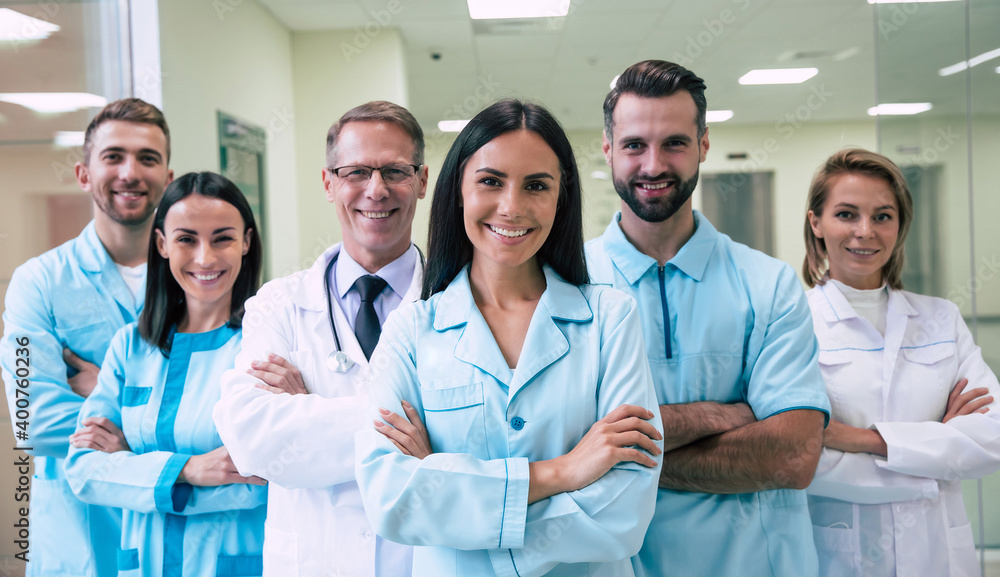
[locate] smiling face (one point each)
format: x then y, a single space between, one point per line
204 241
510 192
859 226
126 172
375 217
655 153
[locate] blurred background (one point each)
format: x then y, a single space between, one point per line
249 88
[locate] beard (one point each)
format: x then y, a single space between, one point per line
656 209
107 206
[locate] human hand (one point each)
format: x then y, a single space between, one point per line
100 434
966 403
842 437
84 381
614 439
279 376
214 468
408 434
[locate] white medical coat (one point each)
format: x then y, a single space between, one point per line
72 296
467 504
163 406
304 444
902 515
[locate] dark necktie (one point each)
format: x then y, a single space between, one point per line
366 325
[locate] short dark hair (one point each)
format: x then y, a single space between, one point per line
165 305
127 110
867 163
448 246
655 79
377 111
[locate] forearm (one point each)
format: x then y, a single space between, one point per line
777 453
848 439
684 424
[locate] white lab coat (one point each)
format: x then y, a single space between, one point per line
304 444
902 515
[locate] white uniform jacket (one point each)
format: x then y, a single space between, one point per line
901 515
304 444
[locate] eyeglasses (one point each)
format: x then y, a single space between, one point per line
391 173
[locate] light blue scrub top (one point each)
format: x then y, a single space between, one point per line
164 407
72 296
466 505
740 330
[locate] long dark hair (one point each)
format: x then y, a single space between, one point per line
448 246
164 298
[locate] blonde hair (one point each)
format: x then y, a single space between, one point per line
865 162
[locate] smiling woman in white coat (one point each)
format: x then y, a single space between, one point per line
913 401
540 453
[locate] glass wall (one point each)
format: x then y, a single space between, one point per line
74 52
950 156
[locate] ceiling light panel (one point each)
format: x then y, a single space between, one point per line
499 9
718 115
778 76
15 26
899 108
452 125
53 102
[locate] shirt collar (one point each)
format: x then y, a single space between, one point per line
691 259
398 273
90 251
838 309
562 300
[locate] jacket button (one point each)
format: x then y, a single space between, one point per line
517 423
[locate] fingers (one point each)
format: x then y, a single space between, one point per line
414 417
251 480
967 397
270 389
278 372
976 406
77 363
402 440
636 456
103 423
637 424
91 438
626 411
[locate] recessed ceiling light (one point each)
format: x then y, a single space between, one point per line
15 26
69 139
49 102
998 70
718 115
899 108
497 9
614 81
974 61
906 1
778 76
452 125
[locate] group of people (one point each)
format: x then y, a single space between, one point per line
660 400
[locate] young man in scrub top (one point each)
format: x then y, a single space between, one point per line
290 408
729 338
61 310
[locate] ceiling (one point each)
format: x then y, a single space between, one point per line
568 63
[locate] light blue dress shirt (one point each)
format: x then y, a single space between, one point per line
466 505
72 296
164 407
725 323
398 276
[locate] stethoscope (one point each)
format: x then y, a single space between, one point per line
338 361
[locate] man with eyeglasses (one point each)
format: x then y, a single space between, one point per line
290 407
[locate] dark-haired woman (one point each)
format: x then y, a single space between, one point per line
914 408
539 455
146 441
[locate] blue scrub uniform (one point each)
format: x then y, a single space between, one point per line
723 323
466 505
72 296
164 407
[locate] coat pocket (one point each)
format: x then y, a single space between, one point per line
456 419
281 552
835 549
962 558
